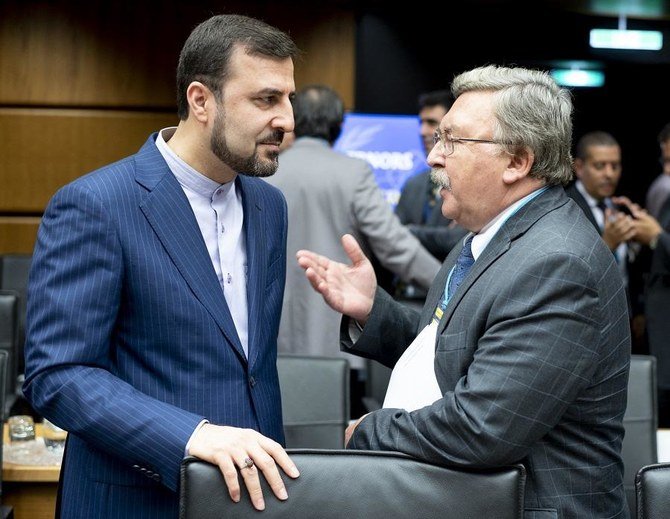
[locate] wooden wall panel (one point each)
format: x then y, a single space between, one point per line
88 54
124 54
43 149
329 54
17 234
84 83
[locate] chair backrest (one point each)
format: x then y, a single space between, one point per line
14 270
9 324
4 356
640 422
376 383
652 487
338 483
315 400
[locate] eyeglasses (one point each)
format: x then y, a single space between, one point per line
448 142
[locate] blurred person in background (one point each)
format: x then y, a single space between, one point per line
330 194
659 190
419 207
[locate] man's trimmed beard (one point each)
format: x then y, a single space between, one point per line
253 165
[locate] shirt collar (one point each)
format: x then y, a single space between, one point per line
483 237
589 199
186 175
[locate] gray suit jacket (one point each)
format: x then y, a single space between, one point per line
532 357
329 194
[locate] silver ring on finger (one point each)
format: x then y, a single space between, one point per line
248 463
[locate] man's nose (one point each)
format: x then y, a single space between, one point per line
283 119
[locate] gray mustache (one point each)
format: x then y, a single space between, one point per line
440 178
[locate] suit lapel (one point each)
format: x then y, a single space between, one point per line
436 291
170 215
254 233
514 227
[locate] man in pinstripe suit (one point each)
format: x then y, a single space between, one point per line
156 290
526 360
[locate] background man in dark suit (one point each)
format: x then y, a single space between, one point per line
156 289
521 352
655 234
419 207
598 171
659 190
329 194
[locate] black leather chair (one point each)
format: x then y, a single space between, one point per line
376 383
4 357
14 269
6 512
365 484
9 325
640 422
652 487
315 401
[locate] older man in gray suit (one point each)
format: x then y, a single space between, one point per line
523 345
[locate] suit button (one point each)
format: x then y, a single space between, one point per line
156 477
136 467
252 381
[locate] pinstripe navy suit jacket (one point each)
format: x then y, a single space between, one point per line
532 357
130 343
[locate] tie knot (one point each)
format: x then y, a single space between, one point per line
466 251
601 205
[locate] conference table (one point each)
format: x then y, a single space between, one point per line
31 489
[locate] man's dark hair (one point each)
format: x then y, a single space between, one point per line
593 139
435 98
318 112
207 51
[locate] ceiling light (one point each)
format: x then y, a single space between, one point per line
633 40
622 38
578 78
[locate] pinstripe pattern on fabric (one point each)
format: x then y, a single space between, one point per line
130 341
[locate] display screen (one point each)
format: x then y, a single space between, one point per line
391 144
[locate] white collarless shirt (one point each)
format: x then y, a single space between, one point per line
220 216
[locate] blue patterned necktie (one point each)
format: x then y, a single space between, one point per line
463 264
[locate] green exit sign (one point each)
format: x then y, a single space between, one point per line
578 78
624 39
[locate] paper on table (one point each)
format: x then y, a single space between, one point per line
32 452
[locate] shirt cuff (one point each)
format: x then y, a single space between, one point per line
355 330
188 443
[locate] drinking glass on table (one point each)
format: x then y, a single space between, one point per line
21 428
54 436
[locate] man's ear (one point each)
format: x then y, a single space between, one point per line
200 100
519 165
